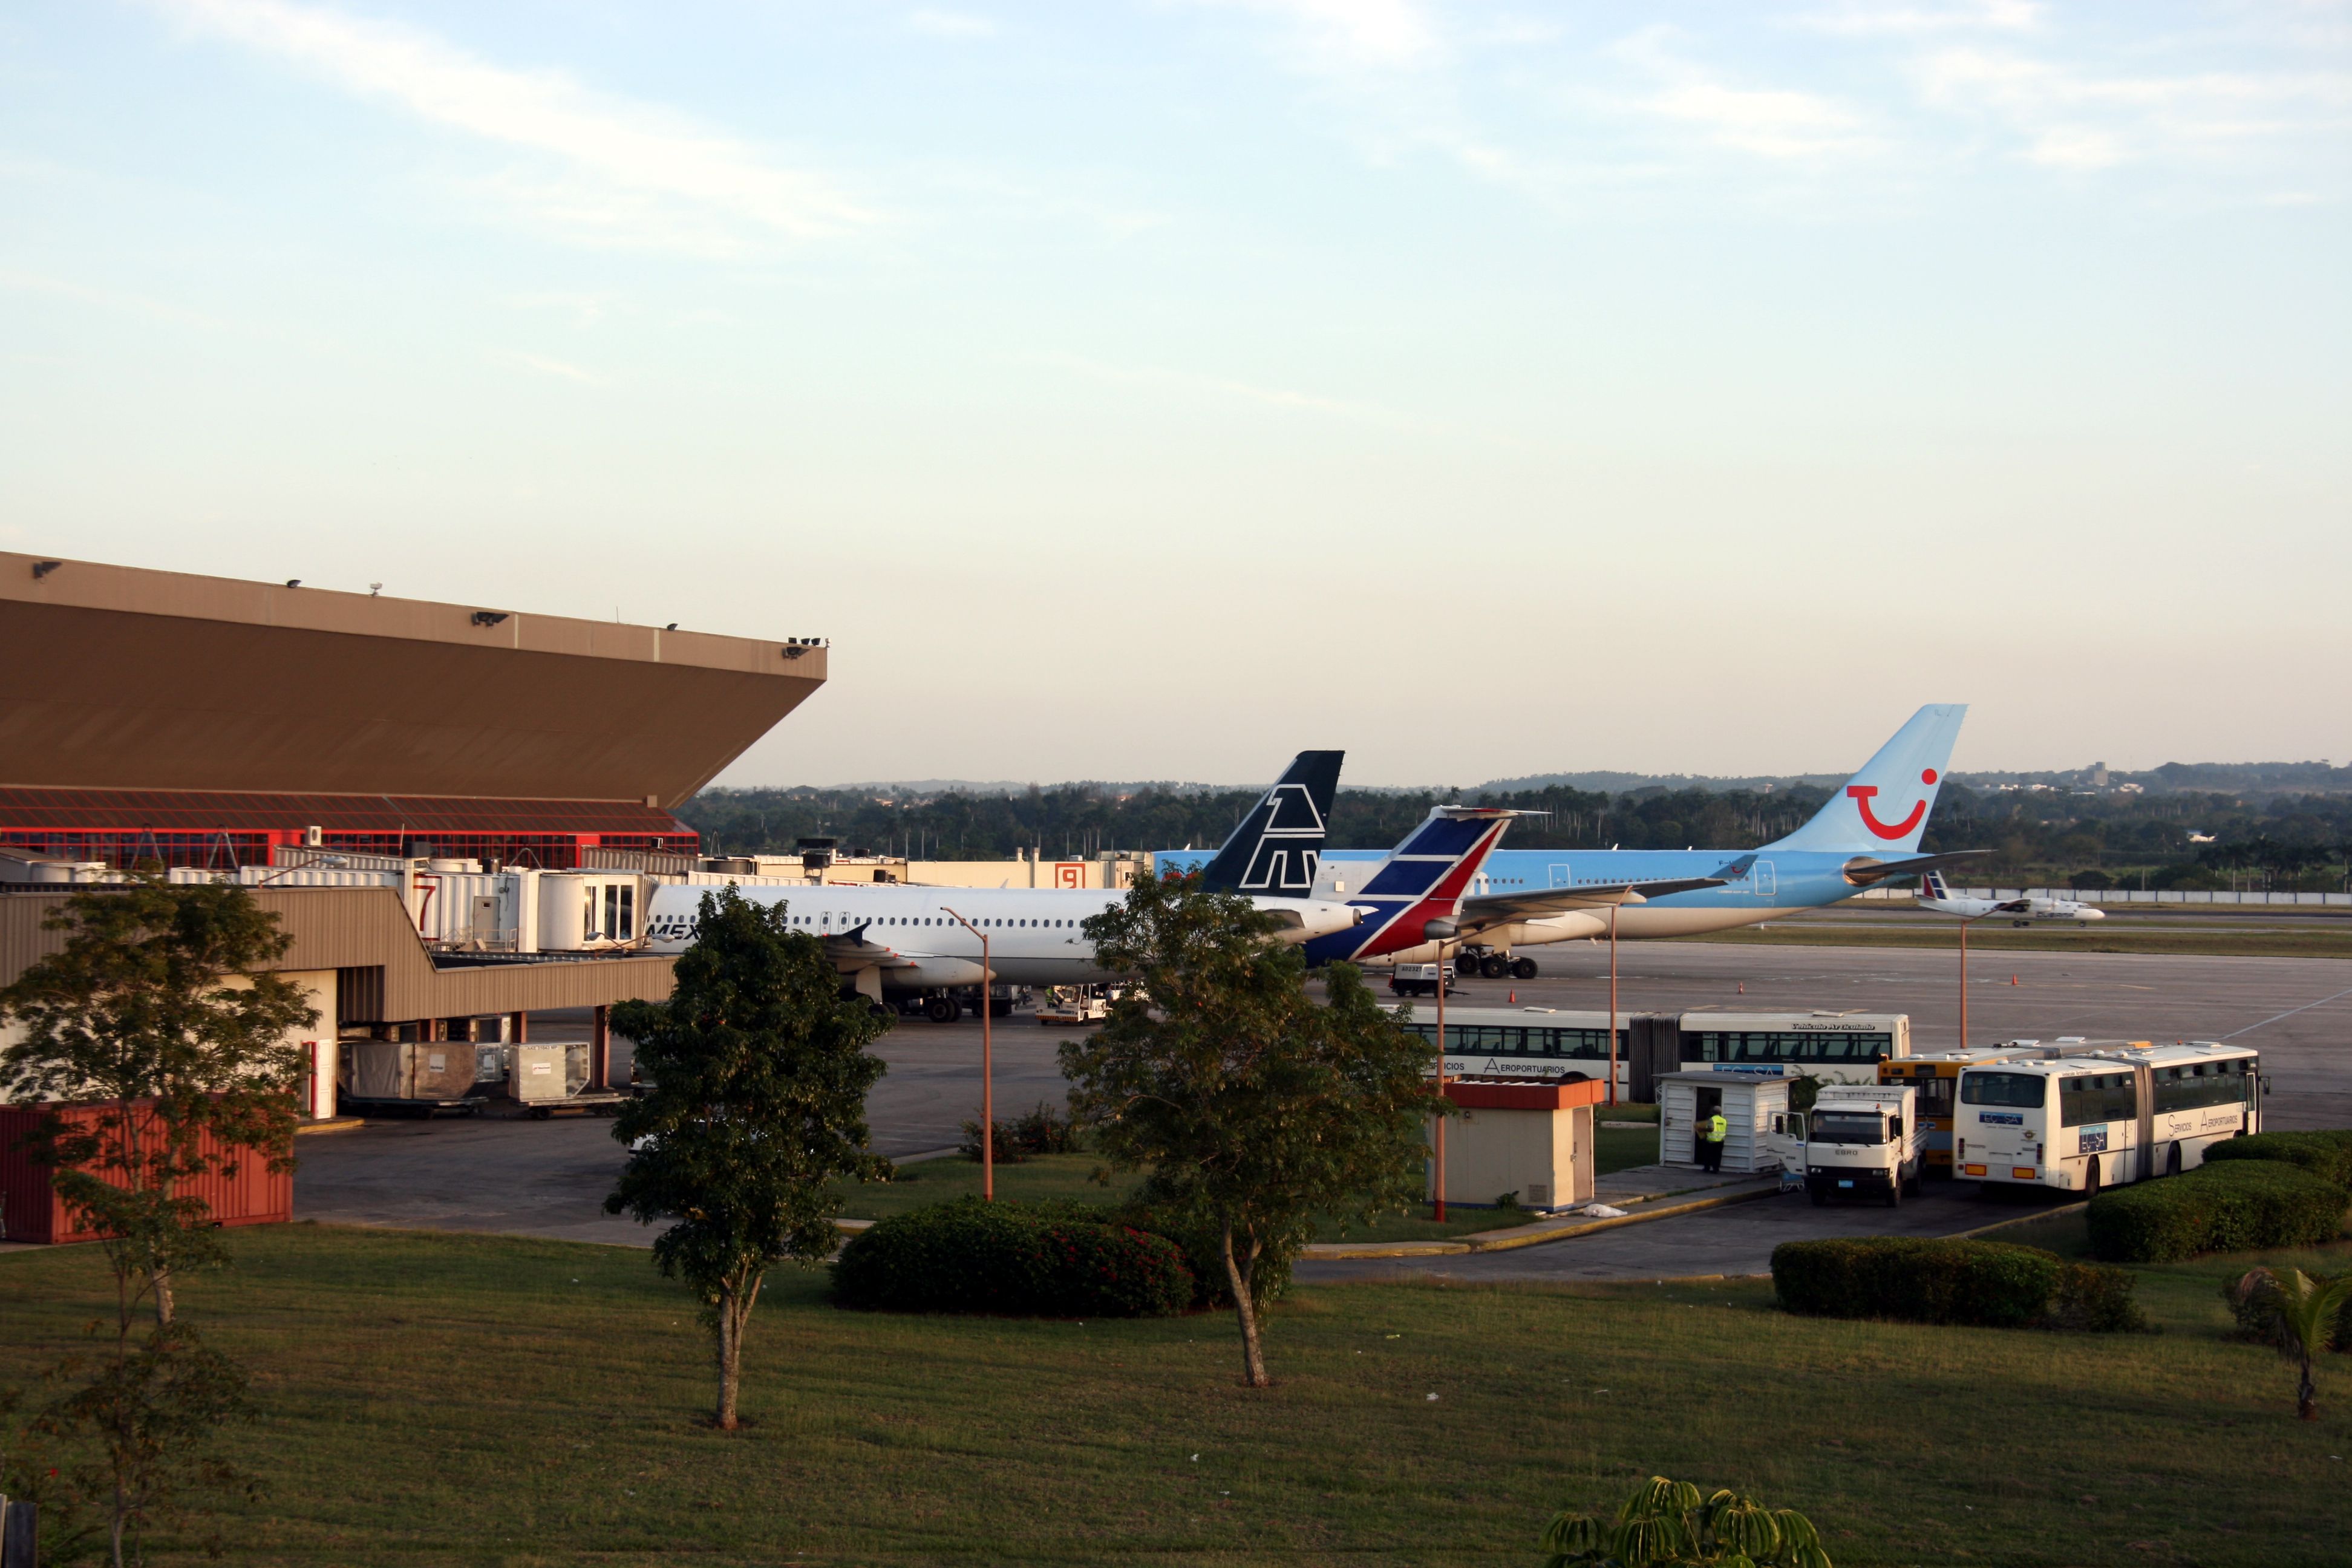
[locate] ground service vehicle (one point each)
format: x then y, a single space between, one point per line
1936 1077
2080 1118
1072 1006
1532 1042
1864 1140
1421 979
1834 1048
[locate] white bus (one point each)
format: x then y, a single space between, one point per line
1544 1042
2084 1117
1834 1048
1533 1042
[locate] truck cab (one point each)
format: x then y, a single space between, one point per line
1864 1140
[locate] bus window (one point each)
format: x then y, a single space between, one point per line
2022 1089
2104 1097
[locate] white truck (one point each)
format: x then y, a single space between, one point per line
1421 979
1864 1140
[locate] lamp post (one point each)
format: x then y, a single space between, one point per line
1440 1209
987 1068
1613 1006
1965 923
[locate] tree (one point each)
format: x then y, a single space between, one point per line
195 1073
1665 1524
760 1072
1252 1109
141 1012
2300 1316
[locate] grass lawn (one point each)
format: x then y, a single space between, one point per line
432 1399
2109 936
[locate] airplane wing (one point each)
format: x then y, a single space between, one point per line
1503 909
851 951
1865 870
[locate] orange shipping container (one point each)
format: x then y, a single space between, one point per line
30 1209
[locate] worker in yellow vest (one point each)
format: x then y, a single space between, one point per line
1712 1132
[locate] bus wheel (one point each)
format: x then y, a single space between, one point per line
2091 1178
2172 1161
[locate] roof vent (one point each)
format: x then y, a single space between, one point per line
488 618
43 568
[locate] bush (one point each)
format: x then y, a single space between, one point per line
1009 1259
1202 1247
1989 1283
1041 1132
2258 1319
2328 1155
2096 1299
2232 1205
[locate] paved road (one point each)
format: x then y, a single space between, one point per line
1738 1238
549 1178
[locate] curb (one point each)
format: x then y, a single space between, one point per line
331 1124
2021 1219
1336 1252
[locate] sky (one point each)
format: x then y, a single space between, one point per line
1153 388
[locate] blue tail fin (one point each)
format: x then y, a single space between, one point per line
1885 805
1931 885
1278 845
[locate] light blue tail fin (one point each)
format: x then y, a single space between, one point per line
1885 805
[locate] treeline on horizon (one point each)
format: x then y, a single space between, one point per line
2302 841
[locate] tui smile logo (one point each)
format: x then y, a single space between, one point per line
1862 797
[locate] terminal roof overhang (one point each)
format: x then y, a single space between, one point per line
117 678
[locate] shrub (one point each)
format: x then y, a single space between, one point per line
2233 1206
1991 1283
1041 1132
2328 1155
1201 1247
1010 1258
2096 1299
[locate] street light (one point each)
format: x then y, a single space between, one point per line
1441 1081
1613 1006
987 1068
1965 923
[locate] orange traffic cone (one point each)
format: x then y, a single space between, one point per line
1514 997
1743 988
2012 980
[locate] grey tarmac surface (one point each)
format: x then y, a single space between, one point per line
1735 1240
549 1178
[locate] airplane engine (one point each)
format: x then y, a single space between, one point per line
930 974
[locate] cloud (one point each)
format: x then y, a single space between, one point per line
2074 118
948 25
1768 121
1218 386
628 173
543 365
1351 33
1861 18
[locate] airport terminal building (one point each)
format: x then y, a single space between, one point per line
451 808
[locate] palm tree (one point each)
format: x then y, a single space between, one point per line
1665 1525
2302 1316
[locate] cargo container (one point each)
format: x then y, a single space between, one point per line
30 1209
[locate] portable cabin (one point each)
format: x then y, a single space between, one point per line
1531 1139
1748 1103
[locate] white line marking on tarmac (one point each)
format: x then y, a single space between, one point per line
2290 1013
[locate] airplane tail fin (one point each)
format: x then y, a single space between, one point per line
1278 845
1931 883
1885 806
1423 880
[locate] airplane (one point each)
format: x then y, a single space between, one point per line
1868 832
1934 895
889 938
1419 901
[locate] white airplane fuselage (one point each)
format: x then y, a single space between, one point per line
913 943
2023 912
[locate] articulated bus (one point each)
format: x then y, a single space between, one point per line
1936 1076
2084 1117
1835 1047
